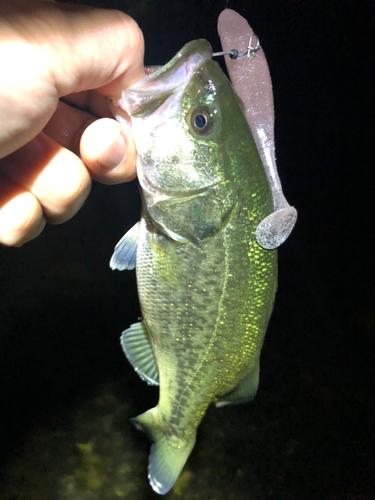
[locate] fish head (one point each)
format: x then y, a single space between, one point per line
189 128
177 118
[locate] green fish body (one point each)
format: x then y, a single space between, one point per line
205 285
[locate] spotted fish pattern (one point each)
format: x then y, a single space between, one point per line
206 287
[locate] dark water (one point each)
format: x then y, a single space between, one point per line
67 393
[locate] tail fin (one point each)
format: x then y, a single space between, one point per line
167 459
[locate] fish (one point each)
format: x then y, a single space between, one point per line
206 287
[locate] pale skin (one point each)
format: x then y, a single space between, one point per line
51 56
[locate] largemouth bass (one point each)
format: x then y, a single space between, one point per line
206 287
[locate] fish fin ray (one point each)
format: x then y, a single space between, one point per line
245 390
137 348
125 253
166 460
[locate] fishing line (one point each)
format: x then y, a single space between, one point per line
249 52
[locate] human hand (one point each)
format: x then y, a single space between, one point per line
50 51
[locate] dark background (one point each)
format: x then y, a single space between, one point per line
62 309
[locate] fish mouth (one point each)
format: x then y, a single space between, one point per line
145 96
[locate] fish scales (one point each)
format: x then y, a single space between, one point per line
197 318
206 287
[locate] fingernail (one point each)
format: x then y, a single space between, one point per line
114 156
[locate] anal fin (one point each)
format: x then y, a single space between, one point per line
245 390
137 348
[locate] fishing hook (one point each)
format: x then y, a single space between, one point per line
250 52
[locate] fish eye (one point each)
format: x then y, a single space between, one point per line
202 121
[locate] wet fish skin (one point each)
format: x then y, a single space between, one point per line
206 287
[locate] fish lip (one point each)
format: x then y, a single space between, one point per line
142 98
139 100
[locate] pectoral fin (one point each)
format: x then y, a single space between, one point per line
245 390
137 348
125 254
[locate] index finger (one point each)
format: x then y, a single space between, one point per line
91 102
